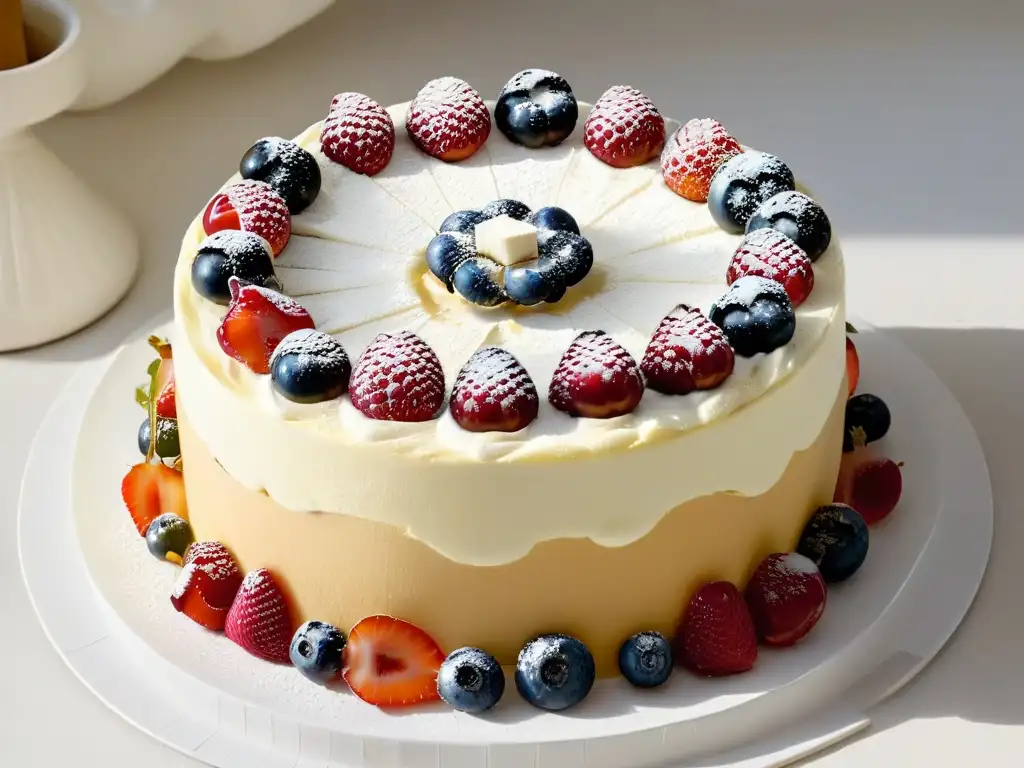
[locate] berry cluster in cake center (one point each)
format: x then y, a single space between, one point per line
506 252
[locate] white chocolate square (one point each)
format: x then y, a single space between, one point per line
506 240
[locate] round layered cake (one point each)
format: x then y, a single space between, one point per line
527 379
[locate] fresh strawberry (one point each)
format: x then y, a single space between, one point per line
869 483
207 584
448 119
769 253
259 620
687 352
151 489
852 366
596 378
358 134
786 596
716 636
251 206
256 321
693 154
624 128
392 663
398 378
493 393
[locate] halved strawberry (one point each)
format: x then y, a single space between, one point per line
596 378
392 663
769 253
256 321
398 378
687 352
358 134
253 206
448 119
493 393
150 490
259 619
852 366
693 154
207 584
624 128
716 636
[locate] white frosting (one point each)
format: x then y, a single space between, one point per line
355 262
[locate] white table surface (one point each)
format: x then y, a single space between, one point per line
905 122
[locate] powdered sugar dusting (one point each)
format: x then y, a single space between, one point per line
623 124
398 378
448 117
313 343
358 133
797 563
263 211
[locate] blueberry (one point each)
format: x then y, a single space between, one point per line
836 539
470 680
756 315
798 217
446 251
536 108
742 184
462 221
868 413
645 659
477 281
167 444
168 536
529 285
573 254
288 168
310 366
554 672
232 253
506 207
316 651
554 218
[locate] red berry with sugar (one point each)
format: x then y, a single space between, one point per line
398 378
624 128
769 253
250 206
493 393
259 619
358 134
693 154
596 378
687 352
786 596
448 119
207 584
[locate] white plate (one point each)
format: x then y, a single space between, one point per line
199 693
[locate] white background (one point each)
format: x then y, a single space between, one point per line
905 121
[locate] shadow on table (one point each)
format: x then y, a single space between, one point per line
978 676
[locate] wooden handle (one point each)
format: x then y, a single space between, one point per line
12 35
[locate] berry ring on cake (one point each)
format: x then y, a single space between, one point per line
544 397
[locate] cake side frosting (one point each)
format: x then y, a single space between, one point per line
355 262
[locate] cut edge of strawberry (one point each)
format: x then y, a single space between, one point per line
391 663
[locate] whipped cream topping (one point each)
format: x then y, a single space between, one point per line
355 261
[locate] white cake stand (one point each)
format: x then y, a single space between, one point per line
103 602
66 256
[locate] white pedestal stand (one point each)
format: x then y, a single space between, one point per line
66 257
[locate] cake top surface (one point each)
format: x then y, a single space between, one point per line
356 262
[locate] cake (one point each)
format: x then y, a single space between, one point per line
530 368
